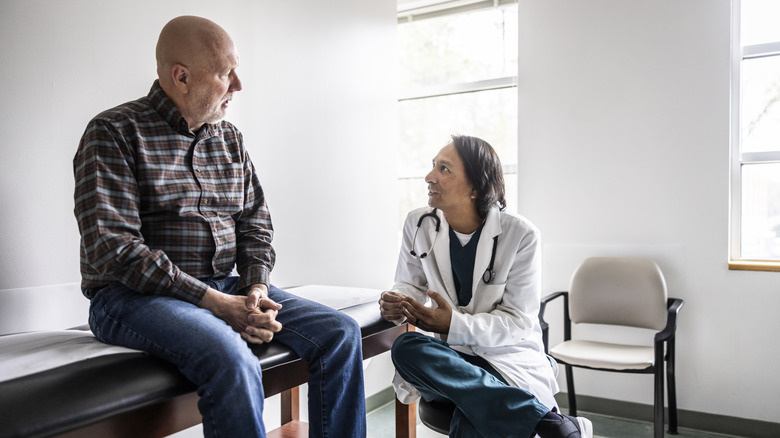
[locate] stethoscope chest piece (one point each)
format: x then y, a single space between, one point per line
490 273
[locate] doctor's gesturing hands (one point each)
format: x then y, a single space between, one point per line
395 306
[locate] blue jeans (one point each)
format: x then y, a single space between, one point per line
485 406
214 357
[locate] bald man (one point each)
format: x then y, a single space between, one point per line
168 203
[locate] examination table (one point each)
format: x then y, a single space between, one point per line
66 383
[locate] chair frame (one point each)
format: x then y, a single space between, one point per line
665 337
436 415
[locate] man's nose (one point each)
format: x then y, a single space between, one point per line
235 84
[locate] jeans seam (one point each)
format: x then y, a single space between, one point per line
322 366
323 415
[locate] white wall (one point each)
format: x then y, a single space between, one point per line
317 112
624 149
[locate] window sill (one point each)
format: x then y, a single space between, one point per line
752 265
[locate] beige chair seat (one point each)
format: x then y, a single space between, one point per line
604 355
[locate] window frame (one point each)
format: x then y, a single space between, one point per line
424 9
738 158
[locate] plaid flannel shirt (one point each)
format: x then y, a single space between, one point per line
159 206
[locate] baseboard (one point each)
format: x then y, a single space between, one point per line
702 421
742 427
380 399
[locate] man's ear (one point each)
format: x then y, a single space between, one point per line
181 77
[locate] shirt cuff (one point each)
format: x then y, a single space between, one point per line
189 289
254 275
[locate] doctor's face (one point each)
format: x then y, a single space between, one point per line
448 187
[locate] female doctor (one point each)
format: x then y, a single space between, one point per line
479 266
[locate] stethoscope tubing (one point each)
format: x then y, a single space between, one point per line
489 274
436 218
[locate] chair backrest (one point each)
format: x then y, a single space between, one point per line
620 291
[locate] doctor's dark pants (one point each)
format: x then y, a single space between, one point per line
486 406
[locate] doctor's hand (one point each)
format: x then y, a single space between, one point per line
432 320
390 306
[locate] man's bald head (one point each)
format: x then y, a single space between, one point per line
196 66
190 41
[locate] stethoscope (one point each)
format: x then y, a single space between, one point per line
489 274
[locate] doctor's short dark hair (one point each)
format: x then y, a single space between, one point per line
483 170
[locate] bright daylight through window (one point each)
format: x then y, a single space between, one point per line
755 176
457 75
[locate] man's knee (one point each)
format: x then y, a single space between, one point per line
227 347
341 332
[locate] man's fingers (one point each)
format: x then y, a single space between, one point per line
265 320
415 306
414 312
267 303
391 297
436 297
253 298
257 336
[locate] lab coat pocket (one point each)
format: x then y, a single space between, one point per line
488 297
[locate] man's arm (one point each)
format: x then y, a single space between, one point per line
107 202
255 256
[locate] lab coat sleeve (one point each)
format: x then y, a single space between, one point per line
409 280
513 318
409 275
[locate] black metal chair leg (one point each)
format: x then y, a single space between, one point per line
570 386
658 397
672 386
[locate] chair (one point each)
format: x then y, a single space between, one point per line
619 291
437 415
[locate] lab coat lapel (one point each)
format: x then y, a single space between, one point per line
491 229
442 251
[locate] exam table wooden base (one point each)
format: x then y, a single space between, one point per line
181 412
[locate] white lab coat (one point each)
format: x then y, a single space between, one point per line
501 322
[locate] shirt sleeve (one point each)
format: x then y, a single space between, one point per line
255 256
107 203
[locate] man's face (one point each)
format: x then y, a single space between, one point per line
211 88
448 187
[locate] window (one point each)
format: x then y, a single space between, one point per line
755 160
457 75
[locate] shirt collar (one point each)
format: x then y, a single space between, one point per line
171 114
